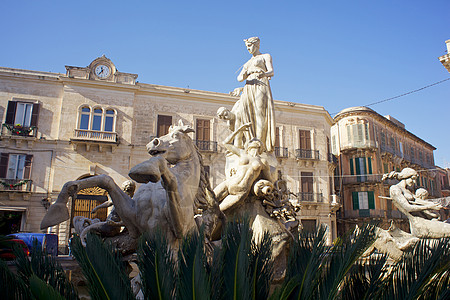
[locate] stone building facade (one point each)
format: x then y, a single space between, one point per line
369 145
96 120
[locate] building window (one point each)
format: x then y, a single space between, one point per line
164 123
15 171
361 166
305 140
307 186
203 130
358 134
363 200
22 118
15 166
97 119
309 226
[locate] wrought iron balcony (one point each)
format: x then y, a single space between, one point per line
372 213
307 154
369 178
281 152
93 135
206 145
309 197
20 185
332 158
17 130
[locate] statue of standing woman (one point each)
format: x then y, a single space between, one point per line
255 105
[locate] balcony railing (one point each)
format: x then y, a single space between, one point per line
206 145
309 197
20 185
369 178
332 158
93 135
307 154
14 130
281 152
373 213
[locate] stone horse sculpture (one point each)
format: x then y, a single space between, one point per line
174 189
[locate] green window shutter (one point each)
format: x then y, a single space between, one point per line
369 163
355 200
365 166
357 166
357 169
349 134
351 167
371 200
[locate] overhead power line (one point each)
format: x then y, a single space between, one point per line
408 93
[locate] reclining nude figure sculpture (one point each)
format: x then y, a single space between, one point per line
174 189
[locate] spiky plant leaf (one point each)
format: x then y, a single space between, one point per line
157 268
341 258
261 267
304 265
193 280
46 268
422 273
236 246
103 269
43 291
11 285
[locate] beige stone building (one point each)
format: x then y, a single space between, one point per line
96 120
369 145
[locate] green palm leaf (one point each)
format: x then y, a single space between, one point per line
43 291
261 267
46 268
103 269
157 268
193 280
11 285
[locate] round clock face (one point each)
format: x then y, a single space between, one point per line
102 71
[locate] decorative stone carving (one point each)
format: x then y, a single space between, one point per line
174 189
423 221
255 105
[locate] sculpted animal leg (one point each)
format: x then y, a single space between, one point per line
125 206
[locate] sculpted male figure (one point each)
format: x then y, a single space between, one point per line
251 167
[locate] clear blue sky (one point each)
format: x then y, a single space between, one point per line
336 54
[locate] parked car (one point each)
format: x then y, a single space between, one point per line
6 251
47 241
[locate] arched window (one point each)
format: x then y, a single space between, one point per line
97 119
84 118
109 120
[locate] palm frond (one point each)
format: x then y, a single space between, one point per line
43 291
103 269
234 259
422 273
11 285
157 268
193 280
261 267
341 258
304 265
46 268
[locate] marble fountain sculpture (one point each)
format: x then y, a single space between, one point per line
175 195
423 220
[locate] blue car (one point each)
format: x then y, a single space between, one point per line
47 241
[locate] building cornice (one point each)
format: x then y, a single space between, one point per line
359 111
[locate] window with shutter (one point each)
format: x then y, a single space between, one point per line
164 122
22 118
305 140
203 133
355 200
